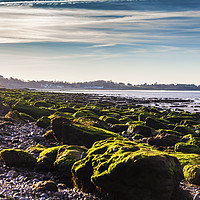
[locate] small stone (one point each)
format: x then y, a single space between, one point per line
46 185
13 173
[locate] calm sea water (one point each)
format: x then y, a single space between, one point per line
195 95
191 106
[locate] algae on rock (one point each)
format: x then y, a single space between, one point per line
127 170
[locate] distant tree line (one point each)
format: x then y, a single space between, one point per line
100 84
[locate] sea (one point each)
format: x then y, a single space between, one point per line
192 105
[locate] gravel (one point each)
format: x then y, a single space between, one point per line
17 183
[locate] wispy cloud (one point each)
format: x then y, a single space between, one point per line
99 28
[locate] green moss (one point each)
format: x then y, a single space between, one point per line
110 114
110 120
43 104
15 115
65 159
192 174
193 140
178 119
17 158
143 115
43 122
49 135
186 148
186 158
60 158
185 130
171 132
155 123
61 114
27 117
36 148
31 110
85 113
117 165
125 120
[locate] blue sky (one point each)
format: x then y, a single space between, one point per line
84 44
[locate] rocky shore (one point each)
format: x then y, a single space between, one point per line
76 146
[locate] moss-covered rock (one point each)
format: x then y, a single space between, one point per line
192 174
43 104
138 136
186 148
85 113
43 122
192 139
46 158
186 158
155 124
50 136
178 119
26 117
33 111
15 116
36 149
189 122
140 128
68 132
17 158
125 120
66 157
60 158
185 130
110 120
67 109
127 170
164 140
61 114
92 121
118 128
171 132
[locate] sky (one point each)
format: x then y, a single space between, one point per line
130 46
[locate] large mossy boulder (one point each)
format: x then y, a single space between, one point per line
68 132
127 170
17 158
33 111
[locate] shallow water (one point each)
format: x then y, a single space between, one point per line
195 95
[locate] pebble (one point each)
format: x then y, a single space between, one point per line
17 183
